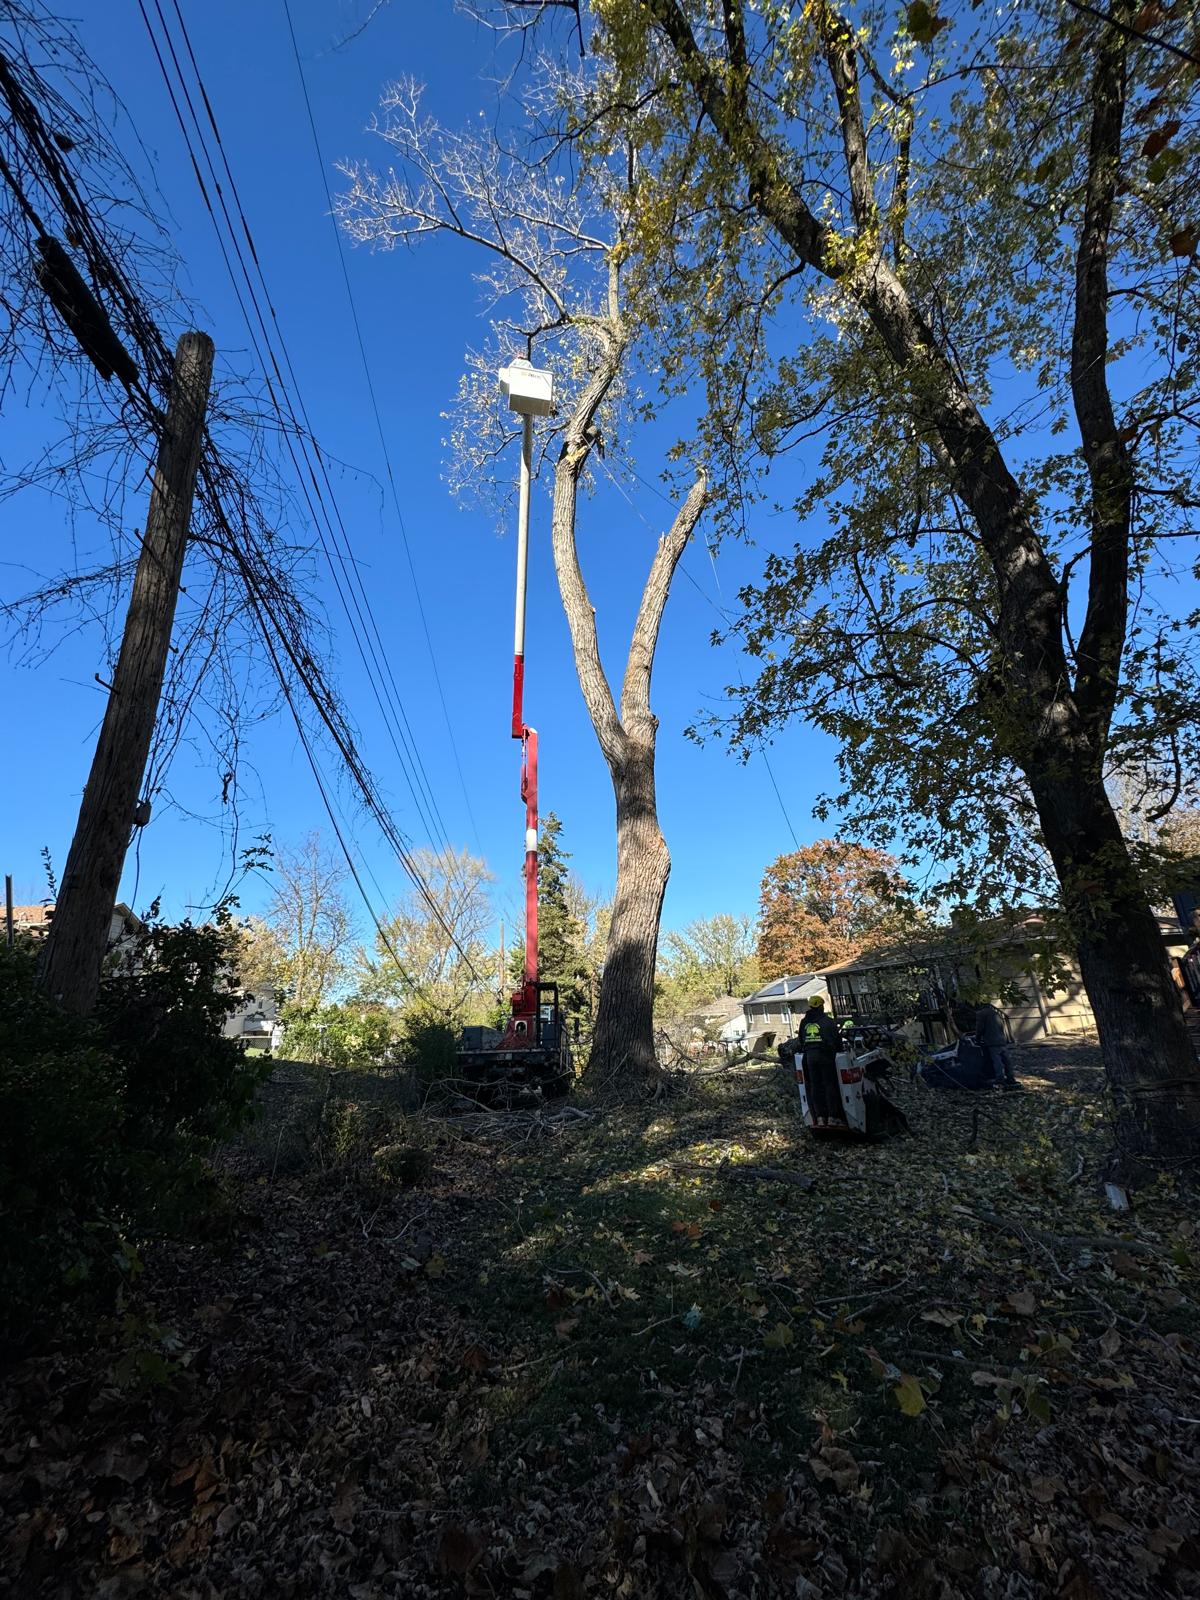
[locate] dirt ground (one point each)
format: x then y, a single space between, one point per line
588 1355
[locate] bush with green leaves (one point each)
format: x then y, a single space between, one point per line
61 1119
347 1036
104 1120
162 1015
428 1043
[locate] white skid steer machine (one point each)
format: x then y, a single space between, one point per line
861 1067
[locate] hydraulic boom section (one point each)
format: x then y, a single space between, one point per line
522 1024
534 1050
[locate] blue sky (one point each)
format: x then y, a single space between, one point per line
419 312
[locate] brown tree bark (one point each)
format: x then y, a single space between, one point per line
1148 1056
623 1053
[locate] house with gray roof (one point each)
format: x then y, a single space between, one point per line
778 1006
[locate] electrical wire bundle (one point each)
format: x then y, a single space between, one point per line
119 333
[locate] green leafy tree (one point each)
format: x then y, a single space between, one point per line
986 221
344 1036
711 956
563 914
560 934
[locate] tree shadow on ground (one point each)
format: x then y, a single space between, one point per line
590 1363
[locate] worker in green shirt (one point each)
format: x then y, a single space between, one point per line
820 1040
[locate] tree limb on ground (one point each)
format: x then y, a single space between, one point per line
1068 1241
746 1174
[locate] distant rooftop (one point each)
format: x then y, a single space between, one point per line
781 988
36 920
32 916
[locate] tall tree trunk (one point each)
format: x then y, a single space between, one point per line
623 1052
1144 1042
74 953
622 1057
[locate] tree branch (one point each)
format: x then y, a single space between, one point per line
635 691
771 190
838 39
581 614
1109 467
1029 596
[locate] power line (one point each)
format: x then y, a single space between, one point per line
383 444
255 565
309 436
333 819
304 435
366 632
307 675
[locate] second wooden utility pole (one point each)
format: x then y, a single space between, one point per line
79 931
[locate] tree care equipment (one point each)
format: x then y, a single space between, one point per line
961 1065
862 1065
534 1056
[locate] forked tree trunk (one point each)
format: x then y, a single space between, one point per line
623 1044
622 1059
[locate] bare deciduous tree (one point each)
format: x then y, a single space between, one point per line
433 947
553 251
299 947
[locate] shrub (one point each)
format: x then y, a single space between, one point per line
373 1142
348 1037
162 1017
61 1118
429 1044
400 1166
104 1120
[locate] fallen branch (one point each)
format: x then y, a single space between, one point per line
739 1173
726 1066
937 1356
874 1298
1067 1241
516 1125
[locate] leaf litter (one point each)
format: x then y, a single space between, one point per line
603 1368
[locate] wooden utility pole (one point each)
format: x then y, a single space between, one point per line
79 930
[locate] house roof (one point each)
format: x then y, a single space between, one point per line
958 940
933 944
783 988
32 916
722 1008
40 916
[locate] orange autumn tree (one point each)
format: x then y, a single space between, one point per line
826 903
